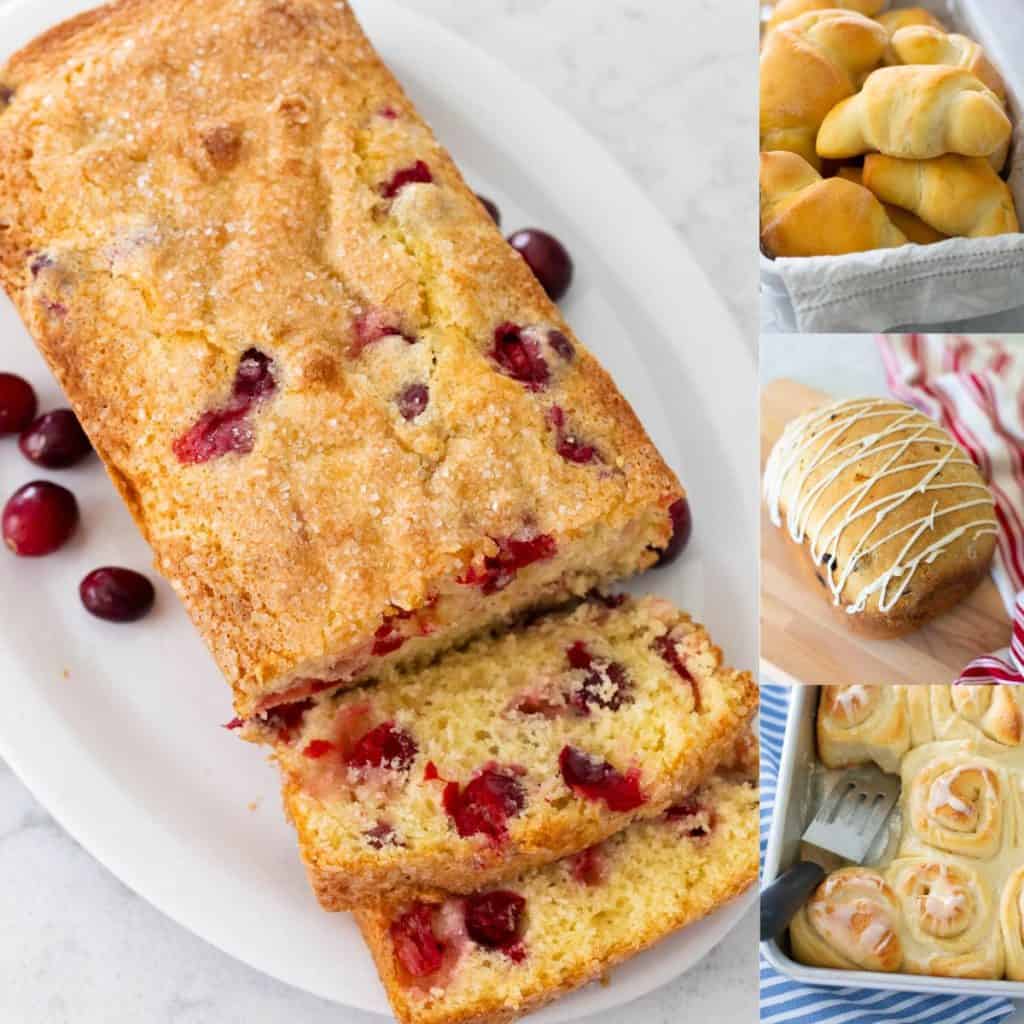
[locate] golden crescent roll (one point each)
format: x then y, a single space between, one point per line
909 223
955 194
786 10
921 44
916 112
893 21
803 214
808 66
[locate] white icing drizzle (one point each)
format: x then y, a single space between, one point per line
851 698
941 794
823 427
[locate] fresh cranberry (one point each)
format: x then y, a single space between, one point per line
286 718
38 518
40 262
568 445
494 920
386 746
610 601
588 867
430 772
418 172
388 113
546 257
117 595
491 207
416 946
17 403
539 704
484 806
518 355
562 345
381 835
682 527
228 428
606 683
315 749
595 779
55 440
235 723
412 400
386 639
513 554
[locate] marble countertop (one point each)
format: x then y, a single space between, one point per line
845 365
669 89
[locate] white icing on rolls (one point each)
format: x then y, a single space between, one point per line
812 454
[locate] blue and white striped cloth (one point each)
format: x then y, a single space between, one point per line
789 1002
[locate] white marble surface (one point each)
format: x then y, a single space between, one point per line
845 365
668 88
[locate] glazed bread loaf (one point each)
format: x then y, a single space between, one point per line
915 229
803 214
916 112
895 521
926 44
496 955
807 67
343 412
958 195
512 753
787 10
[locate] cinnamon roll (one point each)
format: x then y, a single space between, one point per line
851 922
859 724
1011 920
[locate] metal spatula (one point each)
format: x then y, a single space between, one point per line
850 820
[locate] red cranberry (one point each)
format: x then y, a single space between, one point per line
595 779
386 639
228 428
38 518
416 946
562 345
513 554
286 718
518 355
682 527
381 835
418 172
55 440
386 746
667 649
606 683
486 803
546 257
235 723
494 919
374 324
412 400
17 403
315 749
588 867
700 821
568 445
117 595
491 207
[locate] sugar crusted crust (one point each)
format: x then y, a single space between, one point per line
658 730
182 184
696 877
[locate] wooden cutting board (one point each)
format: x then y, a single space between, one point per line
802 641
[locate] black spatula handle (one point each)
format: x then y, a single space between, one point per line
786 895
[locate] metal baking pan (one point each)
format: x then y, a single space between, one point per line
795 800
998 26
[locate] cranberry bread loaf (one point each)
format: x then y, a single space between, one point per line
341 409
497 954
509 754
894 519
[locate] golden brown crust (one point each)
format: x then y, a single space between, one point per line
661 733
206 179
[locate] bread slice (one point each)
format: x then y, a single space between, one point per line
513 753
341 409
496 955
894 520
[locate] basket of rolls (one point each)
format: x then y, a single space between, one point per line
891 163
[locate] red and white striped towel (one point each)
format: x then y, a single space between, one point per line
975 388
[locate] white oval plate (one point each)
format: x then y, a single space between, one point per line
115 728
